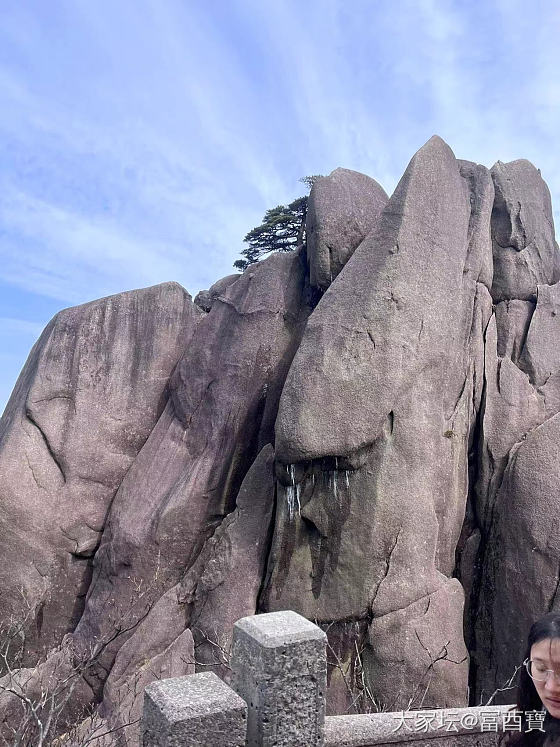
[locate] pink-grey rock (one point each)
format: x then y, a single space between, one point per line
415 645
479 264
512 324
205 298
90 393
160 647
389 453
390 370
361 342
541 352
516 485
512 408
343 208
223 585
186 478
525 249
521 564
59 676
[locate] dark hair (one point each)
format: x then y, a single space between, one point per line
528 699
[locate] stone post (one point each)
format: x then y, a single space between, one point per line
198 709
279 668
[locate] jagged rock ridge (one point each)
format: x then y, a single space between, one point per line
383 461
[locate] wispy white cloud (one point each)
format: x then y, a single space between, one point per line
141 140
128 207
61 247
20 327
181 194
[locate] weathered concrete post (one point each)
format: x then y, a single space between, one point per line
279 668
198 709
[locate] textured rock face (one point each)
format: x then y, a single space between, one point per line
391 301
343 208
521 562
56 674
516 490
392 363
161 647
517 495
205 299
525 250
384 463
85 403
223 586
220 588
185 480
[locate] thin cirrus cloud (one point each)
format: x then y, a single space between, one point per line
21 326
141 140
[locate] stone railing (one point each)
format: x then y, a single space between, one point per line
277 697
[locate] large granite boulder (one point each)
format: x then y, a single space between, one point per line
190 627
520 574
184 482
374 427
342 209
224 584
361 343
205 298
91 391
161 646
525 249
516 491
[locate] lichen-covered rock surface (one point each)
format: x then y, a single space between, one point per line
366 431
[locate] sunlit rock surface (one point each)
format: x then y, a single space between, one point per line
365 431
87 399
343 208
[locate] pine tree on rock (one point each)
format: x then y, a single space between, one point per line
282 230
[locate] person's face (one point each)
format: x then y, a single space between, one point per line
546 655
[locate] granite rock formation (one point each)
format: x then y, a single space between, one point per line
517 491
92 390
343 208
365 431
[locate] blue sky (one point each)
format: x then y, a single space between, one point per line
141 139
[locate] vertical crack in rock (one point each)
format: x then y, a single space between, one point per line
387 567
37 482
517 441
187 476
48 446
555 592
394 406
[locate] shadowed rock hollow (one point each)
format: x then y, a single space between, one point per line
383 460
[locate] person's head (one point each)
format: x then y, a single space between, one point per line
543 651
